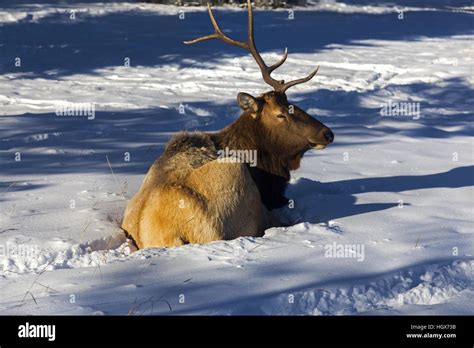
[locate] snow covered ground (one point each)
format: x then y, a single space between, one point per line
394 192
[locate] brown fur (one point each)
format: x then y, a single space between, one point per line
189 196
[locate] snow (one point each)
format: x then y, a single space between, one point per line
399 189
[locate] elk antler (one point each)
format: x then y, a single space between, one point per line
279 86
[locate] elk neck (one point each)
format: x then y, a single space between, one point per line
245 134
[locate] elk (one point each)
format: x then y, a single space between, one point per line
190 195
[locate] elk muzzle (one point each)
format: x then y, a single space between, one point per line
323 137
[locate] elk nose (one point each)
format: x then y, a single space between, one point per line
329 136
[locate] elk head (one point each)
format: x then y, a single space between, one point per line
288 125
285 126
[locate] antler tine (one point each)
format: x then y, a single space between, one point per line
279 86
297 82
200 39
218 34
280 62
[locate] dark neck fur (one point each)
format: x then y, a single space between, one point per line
271 174
244 134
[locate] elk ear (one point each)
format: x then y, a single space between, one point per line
248 103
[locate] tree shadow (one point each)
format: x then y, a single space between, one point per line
445 4
322 202
17 185
50 144
345 112
257 303
55 45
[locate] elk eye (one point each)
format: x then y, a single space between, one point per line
281 116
